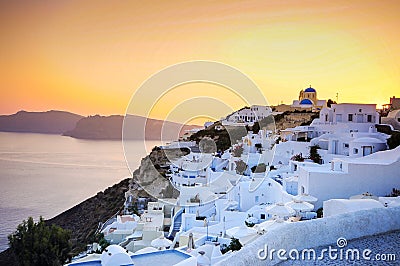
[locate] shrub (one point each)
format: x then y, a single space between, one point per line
40 244
314 155
298 157
260 168
249 224
238 151
395 193
99 238
256 127
240 167
330 102
233 245
320 212
394 140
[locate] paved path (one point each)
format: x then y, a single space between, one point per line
382 245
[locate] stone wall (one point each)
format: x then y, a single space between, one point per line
318 232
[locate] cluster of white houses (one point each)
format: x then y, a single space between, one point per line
247 115
260 183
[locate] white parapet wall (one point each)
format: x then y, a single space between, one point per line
317 232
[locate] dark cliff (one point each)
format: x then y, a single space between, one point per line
50 122
110 127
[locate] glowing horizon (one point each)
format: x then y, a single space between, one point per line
89 57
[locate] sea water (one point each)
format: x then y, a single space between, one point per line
44 175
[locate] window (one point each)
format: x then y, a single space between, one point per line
262 216
398 119
350 117
360 110
256 199
369 118
355 151
346 145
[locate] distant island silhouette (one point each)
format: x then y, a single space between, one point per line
50 122
92 127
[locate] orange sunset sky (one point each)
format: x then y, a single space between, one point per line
88 57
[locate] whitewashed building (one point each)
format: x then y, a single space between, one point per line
345 117
350 113
377 173
342 130
247 115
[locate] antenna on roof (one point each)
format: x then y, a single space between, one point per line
337 97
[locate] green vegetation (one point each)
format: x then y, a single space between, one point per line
249 224
237 151
256 127
240 167
394 140
224 138
320 212
314 155
298 157
233 245
394 193
384 129
40 244
133 209
99 238
207 145
260 168
330 102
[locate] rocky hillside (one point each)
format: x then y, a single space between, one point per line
83 219
293 119
152 172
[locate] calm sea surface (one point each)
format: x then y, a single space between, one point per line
47 174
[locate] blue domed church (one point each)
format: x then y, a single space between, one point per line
308 100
